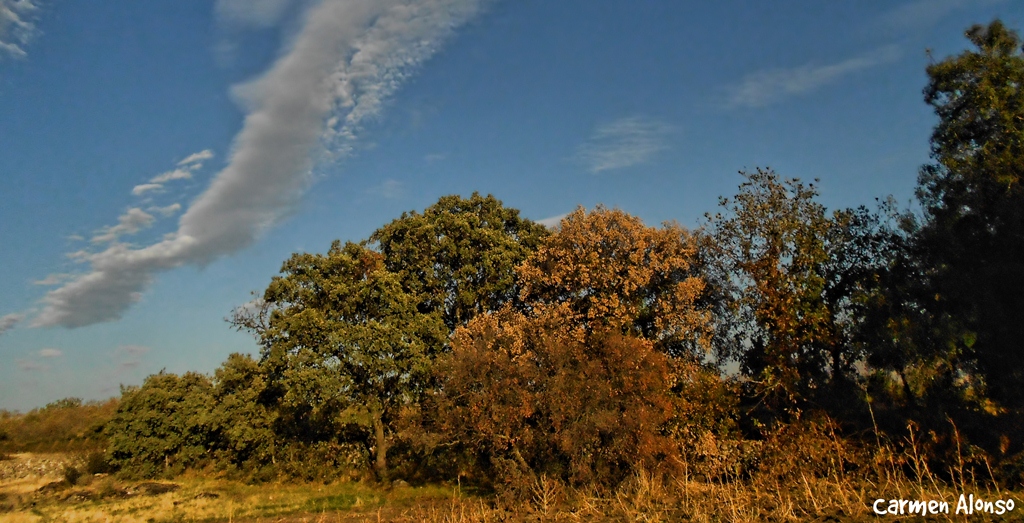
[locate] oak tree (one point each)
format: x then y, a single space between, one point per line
458 257
345 342
792 277
616 273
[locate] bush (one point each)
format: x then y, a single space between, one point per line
71 474
162 426
96 463
532 396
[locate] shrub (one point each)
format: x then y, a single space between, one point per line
533 396
162 426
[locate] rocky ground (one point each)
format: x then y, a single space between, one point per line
25 466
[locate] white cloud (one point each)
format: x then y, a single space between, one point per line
195 160
17 26
131 222
144 188
769 86
50 353
177 174
623 143
169 210
434 157
389 189
191 163
9 321
345 61
553 222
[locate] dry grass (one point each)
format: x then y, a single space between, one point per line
797 493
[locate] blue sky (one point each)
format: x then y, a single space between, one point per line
160 160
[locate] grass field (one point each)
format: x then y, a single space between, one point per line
33 489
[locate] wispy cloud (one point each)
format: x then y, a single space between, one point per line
195 160
130 356
169 210
9 321
133 350
54 279
388 189
144 188
27 365
623 143
772 85
255 13
177 174
131 222
553 222
347 59
17 26
926 13
186 167
50 353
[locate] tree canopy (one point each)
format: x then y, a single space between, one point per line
974 203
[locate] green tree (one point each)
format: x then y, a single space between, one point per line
345 342
459 256
974 208
243 424
163 426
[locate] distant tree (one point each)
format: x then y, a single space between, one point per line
458 257
973 235
66 403
65 425
616 273
792 277
345 342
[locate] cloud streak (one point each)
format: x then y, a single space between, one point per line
186 167
388 189
925 13
346 60
17 26
255 13
769 86
9 321
623 143
131 222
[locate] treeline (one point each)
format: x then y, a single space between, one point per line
467 342
62 426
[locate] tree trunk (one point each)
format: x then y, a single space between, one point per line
380 463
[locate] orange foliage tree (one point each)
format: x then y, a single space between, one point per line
534 394
577 380
616 273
